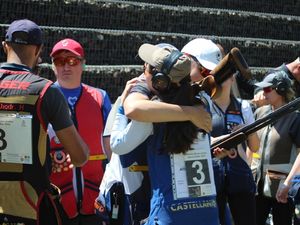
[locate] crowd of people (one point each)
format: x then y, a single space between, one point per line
68 158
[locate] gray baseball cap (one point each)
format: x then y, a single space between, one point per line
272 79
157 56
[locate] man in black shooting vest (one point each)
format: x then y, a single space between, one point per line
27 104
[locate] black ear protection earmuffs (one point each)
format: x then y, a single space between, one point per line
281 83
160 79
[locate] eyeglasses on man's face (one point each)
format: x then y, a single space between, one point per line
70 60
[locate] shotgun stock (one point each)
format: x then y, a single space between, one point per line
231 63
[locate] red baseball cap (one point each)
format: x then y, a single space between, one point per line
68 45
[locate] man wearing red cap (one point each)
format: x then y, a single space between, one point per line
89 107
28 103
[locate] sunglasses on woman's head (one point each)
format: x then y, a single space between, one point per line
267 89
70 60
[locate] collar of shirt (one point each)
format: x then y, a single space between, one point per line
15 67
71 95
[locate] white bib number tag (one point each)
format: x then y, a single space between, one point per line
115 212
15 139
192 172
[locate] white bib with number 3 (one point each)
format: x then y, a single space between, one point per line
192 172
15 138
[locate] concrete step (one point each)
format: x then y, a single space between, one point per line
288 7
113 78
119 47
131 15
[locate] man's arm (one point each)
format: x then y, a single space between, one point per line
73 145
253 142
138 107
106 146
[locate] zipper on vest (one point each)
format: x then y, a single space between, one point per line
77 169
79 187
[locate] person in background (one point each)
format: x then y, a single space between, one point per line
292 70
290 188
205 56
228 114
127 140
124 196
279 147
89 108
28 103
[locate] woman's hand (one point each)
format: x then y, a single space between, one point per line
282 193
259 99
127 89
222 153
237 127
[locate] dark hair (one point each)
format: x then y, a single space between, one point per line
179 136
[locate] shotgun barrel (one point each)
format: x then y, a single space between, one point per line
241 134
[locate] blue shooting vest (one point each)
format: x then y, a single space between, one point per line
140 199
164 209
239 178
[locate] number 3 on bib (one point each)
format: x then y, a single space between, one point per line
3 142
199 167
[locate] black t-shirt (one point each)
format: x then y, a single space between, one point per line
55 109
278 139
294 130
142 88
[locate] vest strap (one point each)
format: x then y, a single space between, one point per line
256 155
138 168
98 157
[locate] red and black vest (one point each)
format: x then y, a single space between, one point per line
25 188
80 186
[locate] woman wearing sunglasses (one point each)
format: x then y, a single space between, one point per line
279 145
